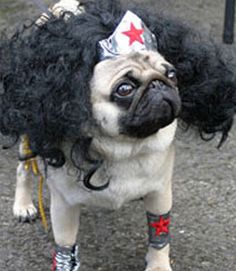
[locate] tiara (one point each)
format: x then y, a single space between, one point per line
131 35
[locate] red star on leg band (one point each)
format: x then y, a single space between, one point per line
134 34
161 226
158 230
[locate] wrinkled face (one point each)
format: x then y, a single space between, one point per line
134 95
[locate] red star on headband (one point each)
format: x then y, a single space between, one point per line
134 34
161 226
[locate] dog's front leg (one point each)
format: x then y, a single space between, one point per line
65 225
158 224
23 207
158 205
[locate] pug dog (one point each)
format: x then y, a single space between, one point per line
93 95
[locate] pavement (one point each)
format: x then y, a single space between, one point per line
204 211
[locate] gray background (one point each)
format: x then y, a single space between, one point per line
204 212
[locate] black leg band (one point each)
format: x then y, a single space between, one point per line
158 230
66 259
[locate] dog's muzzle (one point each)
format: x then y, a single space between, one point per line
153 108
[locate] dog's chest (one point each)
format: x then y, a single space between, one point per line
128 179
132 168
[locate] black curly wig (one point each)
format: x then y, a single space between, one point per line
45 73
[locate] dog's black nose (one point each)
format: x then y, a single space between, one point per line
156 84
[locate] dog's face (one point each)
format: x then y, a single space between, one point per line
134 95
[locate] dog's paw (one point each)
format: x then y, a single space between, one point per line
26 213
158 259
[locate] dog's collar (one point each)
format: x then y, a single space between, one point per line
131 35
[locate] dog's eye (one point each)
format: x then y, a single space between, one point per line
171 74
124 89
